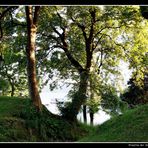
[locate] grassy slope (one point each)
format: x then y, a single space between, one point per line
16 126
20 123
129 127
12 128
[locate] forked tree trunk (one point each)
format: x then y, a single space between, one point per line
31 16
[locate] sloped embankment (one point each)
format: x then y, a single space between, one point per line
132 126
19 122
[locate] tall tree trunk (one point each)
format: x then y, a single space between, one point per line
91 114
91 110
11 83
84 114
12 89
79 98
32 16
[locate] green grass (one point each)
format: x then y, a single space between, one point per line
19 122
10 106
132 126
12 128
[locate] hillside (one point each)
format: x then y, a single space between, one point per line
132 126
19 122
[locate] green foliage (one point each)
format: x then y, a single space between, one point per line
144 11
134 94
49 127
62 105
111 102
3 85
119 33
93 104
13 45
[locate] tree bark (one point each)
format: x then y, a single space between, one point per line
84 114
91 110
12 89
91 114
30 51
11 82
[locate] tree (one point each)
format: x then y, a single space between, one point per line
12 50
13 21
13 69
134 95
69 39
31 18
69 35
137 90
3 86
4 11
144 11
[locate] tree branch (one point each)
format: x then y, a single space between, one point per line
93 20
107 27
101 61
50 36
1 30
56 31
16 22
61 18
95 46
74 62
6 10
82 27
36 14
